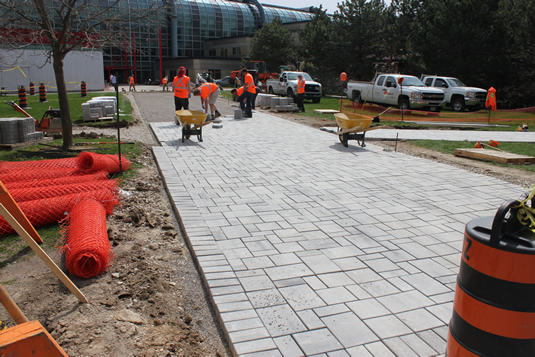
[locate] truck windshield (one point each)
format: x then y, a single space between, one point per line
454 82
412 81
293 76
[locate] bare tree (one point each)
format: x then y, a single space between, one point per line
62 26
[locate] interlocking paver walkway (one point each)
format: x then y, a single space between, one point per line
310 248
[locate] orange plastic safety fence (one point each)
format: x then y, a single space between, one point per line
11 175
36 193
51 210
88 250
90 161
100 175
69 162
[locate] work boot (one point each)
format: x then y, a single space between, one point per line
217 114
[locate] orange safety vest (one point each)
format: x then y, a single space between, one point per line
180 86
207 89
249 85
491 99
164 80
301 86
131 79
239 91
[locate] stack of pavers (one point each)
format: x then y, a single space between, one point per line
264 100
18 130
283 104
99 108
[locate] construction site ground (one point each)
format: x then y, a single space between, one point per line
152 301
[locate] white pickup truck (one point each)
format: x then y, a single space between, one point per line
286 85
385 90
457 94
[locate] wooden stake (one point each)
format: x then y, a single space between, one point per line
11 307
41 253
7 200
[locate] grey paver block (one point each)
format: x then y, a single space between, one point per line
248 335
335 279
246 324
314 282
418 345
238 315
317 341
387 326
434 340
349 263
336 295
442 311
399 347
264 298
285 259
431 267
405 301
425 284
320 264
331 310
301 297
365 275
349 330
359 351
288 347
255 346
310 319
367 308
280 320
288 271
379 288
256 283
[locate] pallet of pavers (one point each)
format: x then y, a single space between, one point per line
283 104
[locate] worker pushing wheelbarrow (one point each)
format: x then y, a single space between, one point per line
353 126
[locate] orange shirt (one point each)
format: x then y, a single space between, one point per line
248 84
207 89
301 86
239 91
131 79
180 86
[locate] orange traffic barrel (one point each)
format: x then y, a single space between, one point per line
32 88
23 100
84 89
42 93
494 303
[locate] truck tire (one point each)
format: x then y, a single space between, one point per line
316 100
270 90
404 103
290 93
356 97
457 104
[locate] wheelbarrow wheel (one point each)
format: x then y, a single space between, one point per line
345 139
340 136
187 128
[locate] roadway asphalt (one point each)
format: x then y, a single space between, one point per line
310 248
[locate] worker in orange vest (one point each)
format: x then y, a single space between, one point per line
165 88
132 84
300 92
236 92
182 90
209 92
249 90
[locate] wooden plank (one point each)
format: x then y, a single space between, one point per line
501 157
41 254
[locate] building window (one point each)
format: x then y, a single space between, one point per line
212 53
236 50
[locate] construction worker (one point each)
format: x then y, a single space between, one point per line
165 88
182 90
236 92
300 92
249 90
132 84
208 93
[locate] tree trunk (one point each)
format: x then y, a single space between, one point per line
66 123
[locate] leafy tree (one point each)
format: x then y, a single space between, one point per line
62 26
273 44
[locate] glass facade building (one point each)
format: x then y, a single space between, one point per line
180 28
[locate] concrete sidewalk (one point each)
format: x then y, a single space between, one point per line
310 248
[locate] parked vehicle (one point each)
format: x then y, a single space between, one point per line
385 90
286 85
457 94
225 82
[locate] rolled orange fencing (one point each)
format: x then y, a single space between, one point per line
87 248
52 210
97 176
69 162
11 175
37 193
90 161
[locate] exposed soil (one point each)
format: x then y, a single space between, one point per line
149 302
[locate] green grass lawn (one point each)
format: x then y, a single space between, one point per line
75 106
